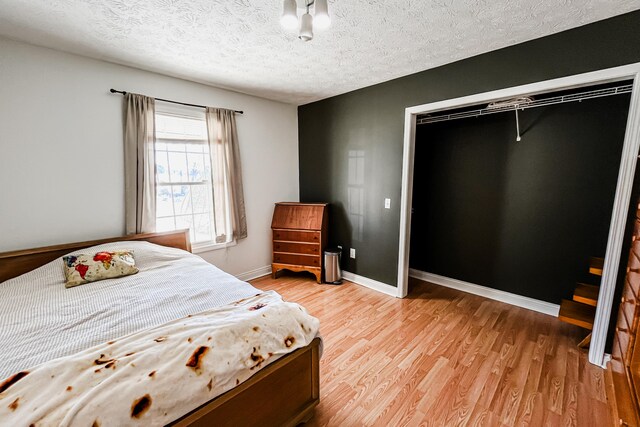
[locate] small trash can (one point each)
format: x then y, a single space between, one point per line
332 271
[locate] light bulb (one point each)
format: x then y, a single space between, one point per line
289 19
321 17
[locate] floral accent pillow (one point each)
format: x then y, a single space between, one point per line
84 268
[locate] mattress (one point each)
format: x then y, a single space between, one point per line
42 320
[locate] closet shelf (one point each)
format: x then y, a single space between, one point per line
596 265
596 93
581 311
577 313
586 294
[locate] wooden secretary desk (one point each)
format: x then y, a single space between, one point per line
299 237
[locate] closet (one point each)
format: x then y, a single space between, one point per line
517 196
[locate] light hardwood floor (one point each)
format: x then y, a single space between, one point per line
443 357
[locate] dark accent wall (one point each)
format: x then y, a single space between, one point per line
368 123
522 217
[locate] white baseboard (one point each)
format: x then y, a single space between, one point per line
370 283
358 280
494 294
254 274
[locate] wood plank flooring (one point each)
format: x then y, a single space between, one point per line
442 357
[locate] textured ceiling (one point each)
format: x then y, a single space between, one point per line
238 44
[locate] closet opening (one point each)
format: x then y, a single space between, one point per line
508 194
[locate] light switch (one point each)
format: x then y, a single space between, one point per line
352 252
387 203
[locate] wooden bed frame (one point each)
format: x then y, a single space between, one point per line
284 393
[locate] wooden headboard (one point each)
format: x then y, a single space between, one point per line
15 263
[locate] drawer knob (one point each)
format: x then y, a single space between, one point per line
618 329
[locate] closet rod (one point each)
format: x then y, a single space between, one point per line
173 102
598 93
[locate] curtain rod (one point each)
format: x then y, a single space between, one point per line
173 102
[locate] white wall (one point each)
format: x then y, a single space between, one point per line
61 154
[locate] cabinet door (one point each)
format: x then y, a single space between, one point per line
298 216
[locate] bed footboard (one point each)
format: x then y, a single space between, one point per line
284 393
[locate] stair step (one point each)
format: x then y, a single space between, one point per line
595 265
586 294
577 313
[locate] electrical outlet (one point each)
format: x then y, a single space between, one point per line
352 253
387 203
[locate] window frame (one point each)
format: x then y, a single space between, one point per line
168 109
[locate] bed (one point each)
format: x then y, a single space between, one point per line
282 391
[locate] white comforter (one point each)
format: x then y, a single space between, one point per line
42 320
155 376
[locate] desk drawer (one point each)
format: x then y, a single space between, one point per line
626 315
297 248
628 292
633 281
297 236
308 260
625 341
623 324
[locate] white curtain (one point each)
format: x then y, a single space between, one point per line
230 220
139 162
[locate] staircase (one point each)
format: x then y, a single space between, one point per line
581 310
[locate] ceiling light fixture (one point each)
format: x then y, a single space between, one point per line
320 18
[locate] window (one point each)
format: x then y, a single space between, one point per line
183 174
